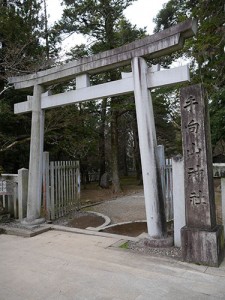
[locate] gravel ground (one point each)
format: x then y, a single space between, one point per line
124 209
140 247
14 224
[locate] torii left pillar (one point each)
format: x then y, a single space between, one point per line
36 159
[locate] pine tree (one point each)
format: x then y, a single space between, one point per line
103 21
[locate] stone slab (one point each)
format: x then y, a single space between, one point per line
203 246
156 45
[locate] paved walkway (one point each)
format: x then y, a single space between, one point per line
123 209
68 266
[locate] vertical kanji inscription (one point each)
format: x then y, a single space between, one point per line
199 193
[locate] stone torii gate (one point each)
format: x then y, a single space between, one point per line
139 82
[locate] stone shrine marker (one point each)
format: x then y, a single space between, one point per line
202 239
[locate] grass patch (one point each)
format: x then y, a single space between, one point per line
124 245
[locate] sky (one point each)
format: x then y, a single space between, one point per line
140 13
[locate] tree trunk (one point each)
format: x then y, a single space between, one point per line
116 188
102 140
46 31
137 156
123 147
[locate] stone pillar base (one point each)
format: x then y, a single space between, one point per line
32 222
204 247
157 243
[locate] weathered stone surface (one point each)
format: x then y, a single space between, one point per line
156 45
202 241
36 157
198 175
154 204
203 246
108 89
159 243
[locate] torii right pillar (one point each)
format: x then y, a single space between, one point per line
202 239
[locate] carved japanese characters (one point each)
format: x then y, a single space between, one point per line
199 193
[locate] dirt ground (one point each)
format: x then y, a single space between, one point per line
83 221
132 229
93 193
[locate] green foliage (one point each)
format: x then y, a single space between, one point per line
14 133
205 51
104 24
22 35
23 50
167 120
124 245
98 19
217 114
78 130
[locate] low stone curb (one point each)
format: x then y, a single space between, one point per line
92 232
106 223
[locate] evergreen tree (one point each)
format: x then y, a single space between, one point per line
23 50
205 51
104 22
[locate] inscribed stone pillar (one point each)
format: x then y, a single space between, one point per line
148 149
202 239
36 157
223 199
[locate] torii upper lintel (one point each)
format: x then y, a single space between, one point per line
153 46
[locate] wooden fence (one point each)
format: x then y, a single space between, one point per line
63 194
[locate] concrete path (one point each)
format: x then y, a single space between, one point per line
64 265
